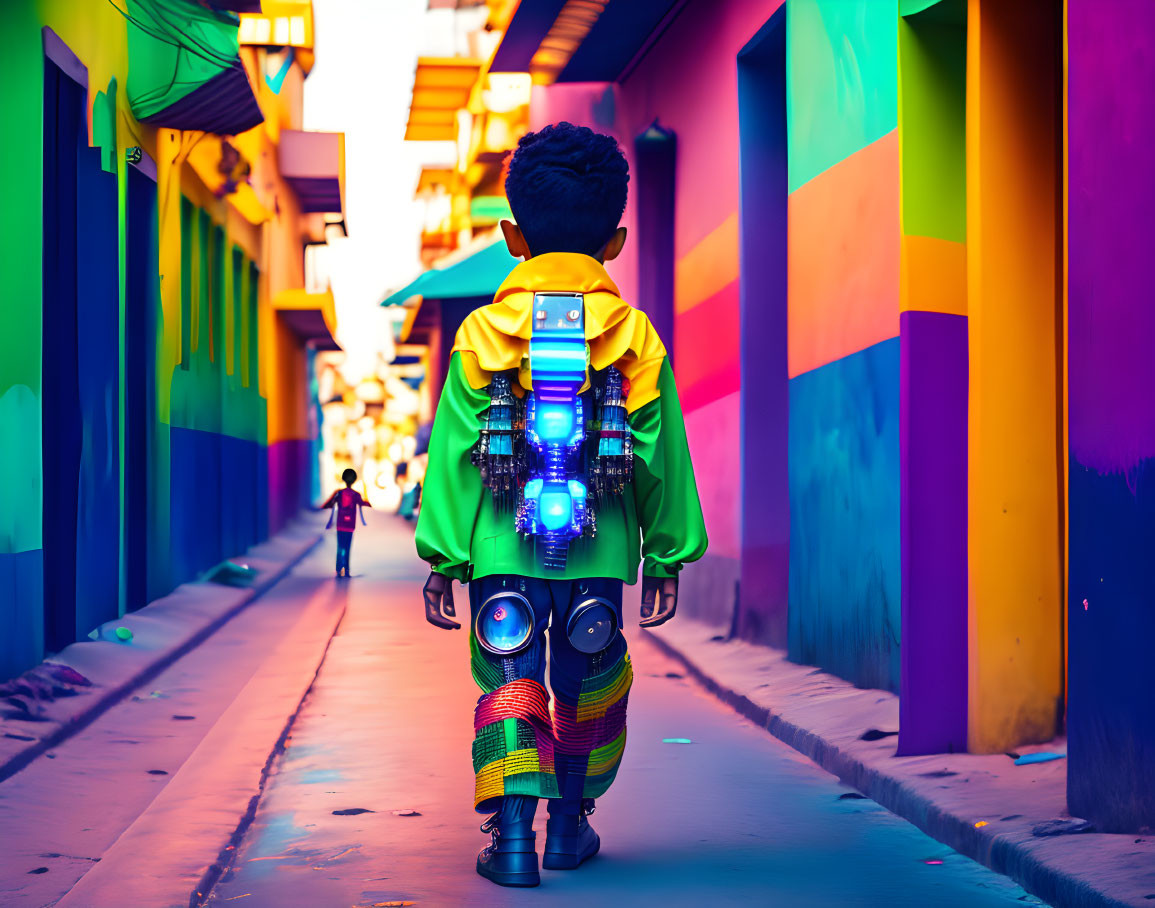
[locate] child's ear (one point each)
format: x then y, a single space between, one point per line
614 246
515 241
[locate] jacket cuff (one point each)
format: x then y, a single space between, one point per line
458 572
653 569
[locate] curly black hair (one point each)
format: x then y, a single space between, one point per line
566 186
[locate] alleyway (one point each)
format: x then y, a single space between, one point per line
733 818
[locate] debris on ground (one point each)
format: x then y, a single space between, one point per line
1069 826
49 681
1043 756
352 811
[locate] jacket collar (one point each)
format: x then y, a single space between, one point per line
564 272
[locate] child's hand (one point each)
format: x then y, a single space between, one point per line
659 600
439 610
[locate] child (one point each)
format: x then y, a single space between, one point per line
348 502
558 459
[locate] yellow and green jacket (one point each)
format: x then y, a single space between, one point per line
659 517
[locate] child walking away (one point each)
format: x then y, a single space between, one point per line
346 504
558 462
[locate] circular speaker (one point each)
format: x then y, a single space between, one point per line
504 623
592 625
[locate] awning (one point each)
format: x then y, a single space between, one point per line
575 41
311 317
185 71
487 210
523 36
616 39
237 6
313 164
478 274
441 87
431 177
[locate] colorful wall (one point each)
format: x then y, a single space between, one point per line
825 350
865 304
1111 332
933 376
136 356
1014 306
688 83
843 351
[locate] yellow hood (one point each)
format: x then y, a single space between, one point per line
495 338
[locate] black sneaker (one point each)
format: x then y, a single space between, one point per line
570 840
511 858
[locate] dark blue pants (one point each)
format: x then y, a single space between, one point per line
344 542
569 669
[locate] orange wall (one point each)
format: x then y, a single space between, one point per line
1015 529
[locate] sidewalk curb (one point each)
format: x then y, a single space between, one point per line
180 845
1001 853
161 661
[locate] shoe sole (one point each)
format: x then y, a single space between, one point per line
561 860
512 880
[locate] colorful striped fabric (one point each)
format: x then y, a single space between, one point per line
596 724
516 737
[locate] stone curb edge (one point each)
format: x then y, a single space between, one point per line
1048 882
226 857
114 695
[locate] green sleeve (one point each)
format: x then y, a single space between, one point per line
452 492
669 512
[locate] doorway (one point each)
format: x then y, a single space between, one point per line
763 590
80 368
65 132
655 154
142 299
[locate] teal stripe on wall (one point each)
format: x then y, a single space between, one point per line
841 80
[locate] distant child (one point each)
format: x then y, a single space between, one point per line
347 502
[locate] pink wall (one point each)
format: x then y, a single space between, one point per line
688 82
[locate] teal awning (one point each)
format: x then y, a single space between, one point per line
480 274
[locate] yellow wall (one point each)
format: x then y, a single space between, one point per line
1015 532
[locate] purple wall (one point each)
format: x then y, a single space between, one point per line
934 388
290 463
1111 336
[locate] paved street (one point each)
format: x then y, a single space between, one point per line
735 817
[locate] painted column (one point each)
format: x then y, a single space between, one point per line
1111 337
933 382
843 345
1013 305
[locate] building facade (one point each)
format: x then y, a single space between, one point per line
157 337
895 248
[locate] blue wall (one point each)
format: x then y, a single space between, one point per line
1111 700
21 617
216 489
844 612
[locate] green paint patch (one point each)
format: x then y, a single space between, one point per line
841 81
932 114
20 506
